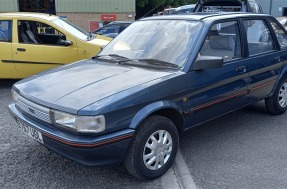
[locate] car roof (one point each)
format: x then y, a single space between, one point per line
206 16
122 22
29 14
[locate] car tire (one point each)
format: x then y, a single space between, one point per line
277 103
153 149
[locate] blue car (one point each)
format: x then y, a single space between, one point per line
158 79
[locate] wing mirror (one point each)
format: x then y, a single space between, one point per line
66 43
207 62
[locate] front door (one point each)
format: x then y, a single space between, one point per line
39 48
218 91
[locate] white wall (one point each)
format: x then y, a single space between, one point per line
276 9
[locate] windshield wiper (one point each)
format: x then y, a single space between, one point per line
119 57
156 62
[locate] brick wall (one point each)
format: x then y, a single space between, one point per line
82 19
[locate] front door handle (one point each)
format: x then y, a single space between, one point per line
241 69
21 49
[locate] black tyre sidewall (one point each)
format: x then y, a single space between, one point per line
157 123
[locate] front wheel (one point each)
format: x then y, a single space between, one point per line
153 149
277 103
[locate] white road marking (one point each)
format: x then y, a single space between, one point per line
178 176
169 180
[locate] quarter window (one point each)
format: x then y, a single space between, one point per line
258 37
280 34
5 31
223 40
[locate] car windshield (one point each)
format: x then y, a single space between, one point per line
71 28
164 40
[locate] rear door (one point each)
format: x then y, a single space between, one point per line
7 67
37 47
264 58
218 91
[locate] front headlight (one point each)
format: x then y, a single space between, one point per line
15 95
84 124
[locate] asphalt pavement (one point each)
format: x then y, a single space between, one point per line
244 149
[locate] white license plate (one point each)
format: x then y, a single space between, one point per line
31 132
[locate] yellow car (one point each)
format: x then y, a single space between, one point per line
33 42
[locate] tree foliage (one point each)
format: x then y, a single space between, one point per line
145 6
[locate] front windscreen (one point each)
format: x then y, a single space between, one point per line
71 28
164 40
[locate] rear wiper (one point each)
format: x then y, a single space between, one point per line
158 62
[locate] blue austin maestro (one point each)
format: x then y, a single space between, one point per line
156 80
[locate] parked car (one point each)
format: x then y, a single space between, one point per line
113 29
158 79
228 6
33 42
186 9
283 21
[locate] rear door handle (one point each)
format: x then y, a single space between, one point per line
277 58
241 69
21 49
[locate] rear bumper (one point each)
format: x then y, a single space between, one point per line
87 150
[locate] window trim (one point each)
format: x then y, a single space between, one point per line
274 33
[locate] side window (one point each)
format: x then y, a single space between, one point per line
113 28
5 31
258 37
223 40
280 34
38 33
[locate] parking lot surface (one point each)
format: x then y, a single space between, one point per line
244 149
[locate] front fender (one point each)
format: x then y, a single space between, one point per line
151 108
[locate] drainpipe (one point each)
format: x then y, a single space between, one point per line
270 9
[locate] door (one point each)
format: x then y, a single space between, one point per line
40 47
220 90
264 59
7 67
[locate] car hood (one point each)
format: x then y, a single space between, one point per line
76 86
100 40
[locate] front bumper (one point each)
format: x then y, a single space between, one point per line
87 150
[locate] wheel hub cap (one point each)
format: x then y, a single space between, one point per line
157 150
282 97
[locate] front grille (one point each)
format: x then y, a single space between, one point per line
33 109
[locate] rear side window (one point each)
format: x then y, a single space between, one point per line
280 34
223 40
5 31
259 37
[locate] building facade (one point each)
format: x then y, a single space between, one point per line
88 14
274 7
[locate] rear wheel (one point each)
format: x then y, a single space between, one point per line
153 149
277 103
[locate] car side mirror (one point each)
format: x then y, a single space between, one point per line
207 62
66 43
